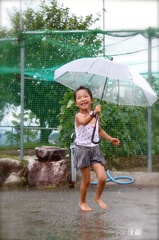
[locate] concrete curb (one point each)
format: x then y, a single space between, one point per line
141 178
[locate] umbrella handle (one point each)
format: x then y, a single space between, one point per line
94 132
97 115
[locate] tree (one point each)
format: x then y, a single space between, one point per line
48 14
30 134
43 52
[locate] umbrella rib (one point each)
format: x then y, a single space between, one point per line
104 89
89 79
88 71
92 65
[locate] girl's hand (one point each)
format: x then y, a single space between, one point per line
115 141
97 109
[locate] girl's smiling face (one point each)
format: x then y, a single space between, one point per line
83 100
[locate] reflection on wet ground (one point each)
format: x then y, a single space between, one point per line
53 214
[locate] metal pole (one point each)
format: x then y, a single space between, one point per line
1 14
73 170
21 86
104 27
149 110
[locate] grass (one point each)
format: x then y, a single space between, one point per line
28 145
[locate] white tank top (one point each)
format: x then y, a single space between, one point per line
84 135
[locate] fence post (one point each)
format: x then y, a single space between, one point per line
149 109
22 57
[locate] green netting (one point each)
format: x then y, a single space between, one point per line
52 104
54 48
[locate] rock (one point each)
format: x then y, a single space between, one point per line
47 153
47 173
14 180
23 172
7 166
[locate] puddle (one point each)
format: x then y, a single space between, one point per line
134 232
55 215
130 232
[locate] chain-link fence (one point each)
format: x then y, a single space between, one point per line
27 67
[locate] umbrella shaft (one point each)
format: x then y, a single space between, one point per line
97 115
103 90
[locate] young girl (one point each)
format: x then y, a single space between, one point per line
87 153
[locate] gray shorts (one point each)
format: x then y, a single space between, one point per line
87 156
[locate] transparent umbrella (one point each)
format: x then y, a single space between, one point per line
109 81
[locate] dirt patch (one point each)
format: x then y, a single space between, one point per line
155 168
131 162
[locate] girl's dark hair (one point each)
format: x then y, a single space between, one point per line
83 88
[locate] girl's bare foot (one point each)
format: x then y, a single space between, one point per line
85 207
101 203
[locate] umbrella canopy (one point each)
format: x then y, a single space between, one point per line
114 82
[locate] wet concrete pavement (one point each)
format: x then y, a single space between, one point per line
53 214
